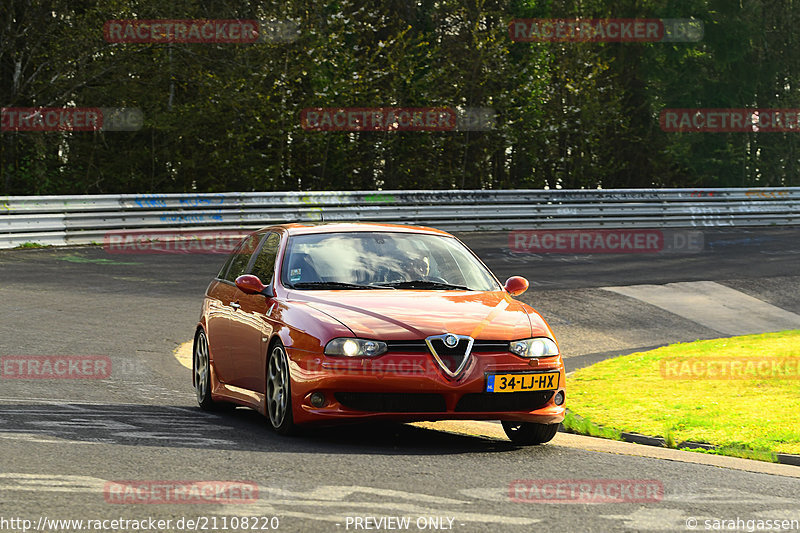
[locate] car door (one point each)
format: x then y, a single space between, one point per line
251 326
223 309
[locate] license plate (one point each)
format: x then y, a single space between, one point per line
522 382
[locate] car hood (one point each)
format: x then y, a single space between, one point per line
408 314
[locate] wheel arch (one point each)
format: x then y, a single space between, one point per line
281 335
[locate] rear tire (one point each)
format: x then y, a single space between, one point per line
529 433
202 372
279 391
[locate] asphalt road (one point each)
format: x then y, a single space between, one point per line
64 440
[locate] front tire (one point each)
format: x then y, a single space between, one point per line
279 391
529 433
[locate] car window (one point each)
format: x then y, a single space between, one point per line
376 258
229 259
264 265
226 265
240 257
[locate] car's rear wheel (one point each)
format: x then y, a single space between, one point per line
527 433
279 391
202 372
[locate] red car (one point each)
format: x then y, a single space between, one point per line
347 322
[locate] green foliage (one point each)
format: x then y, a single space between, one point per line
637 393
583 426
669 437
226 117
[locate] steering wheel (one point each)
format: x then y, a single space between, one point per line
386 275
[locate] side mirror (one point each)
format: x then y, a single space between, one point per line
516 285
250 284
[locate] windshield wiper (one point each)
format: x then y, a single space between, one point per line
423 284
322 285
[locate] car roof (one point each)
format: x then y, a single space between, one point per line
352 227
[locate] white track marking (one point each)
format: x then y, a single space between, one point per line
714 306
329 503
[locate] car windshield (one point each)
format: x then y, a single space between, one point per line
373 260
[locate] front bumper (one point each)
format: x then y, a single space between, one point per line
412 387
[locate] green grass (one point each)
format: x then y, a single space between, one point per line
74 258
577 424
31 244
753 416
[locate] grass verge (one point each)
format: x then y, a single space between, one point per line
740 394
30 244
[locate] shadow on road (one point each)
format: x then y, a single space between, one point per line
236 429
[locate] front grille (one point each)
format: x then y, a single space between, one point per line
483 402
407 346
489 346
421 347
390 402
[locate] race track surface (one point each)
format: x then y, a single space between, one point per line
64 440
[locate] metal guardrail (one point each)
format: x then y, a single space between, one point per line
59 220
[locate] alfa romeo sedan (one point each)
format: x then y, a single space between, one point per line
329 323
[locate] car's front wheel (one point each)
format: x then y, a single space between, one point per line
279 391
527 433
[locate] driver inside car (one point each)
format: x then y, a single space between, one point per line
417 267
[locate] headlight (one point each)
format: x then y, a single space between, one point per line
349 347
538 347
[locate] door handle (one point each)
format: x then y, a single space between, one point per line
235 306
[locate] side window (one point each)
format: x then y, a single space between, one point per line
227 264
264 266
241 257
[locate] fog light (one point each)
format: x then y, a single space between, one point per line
317 399
558 399
370 347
